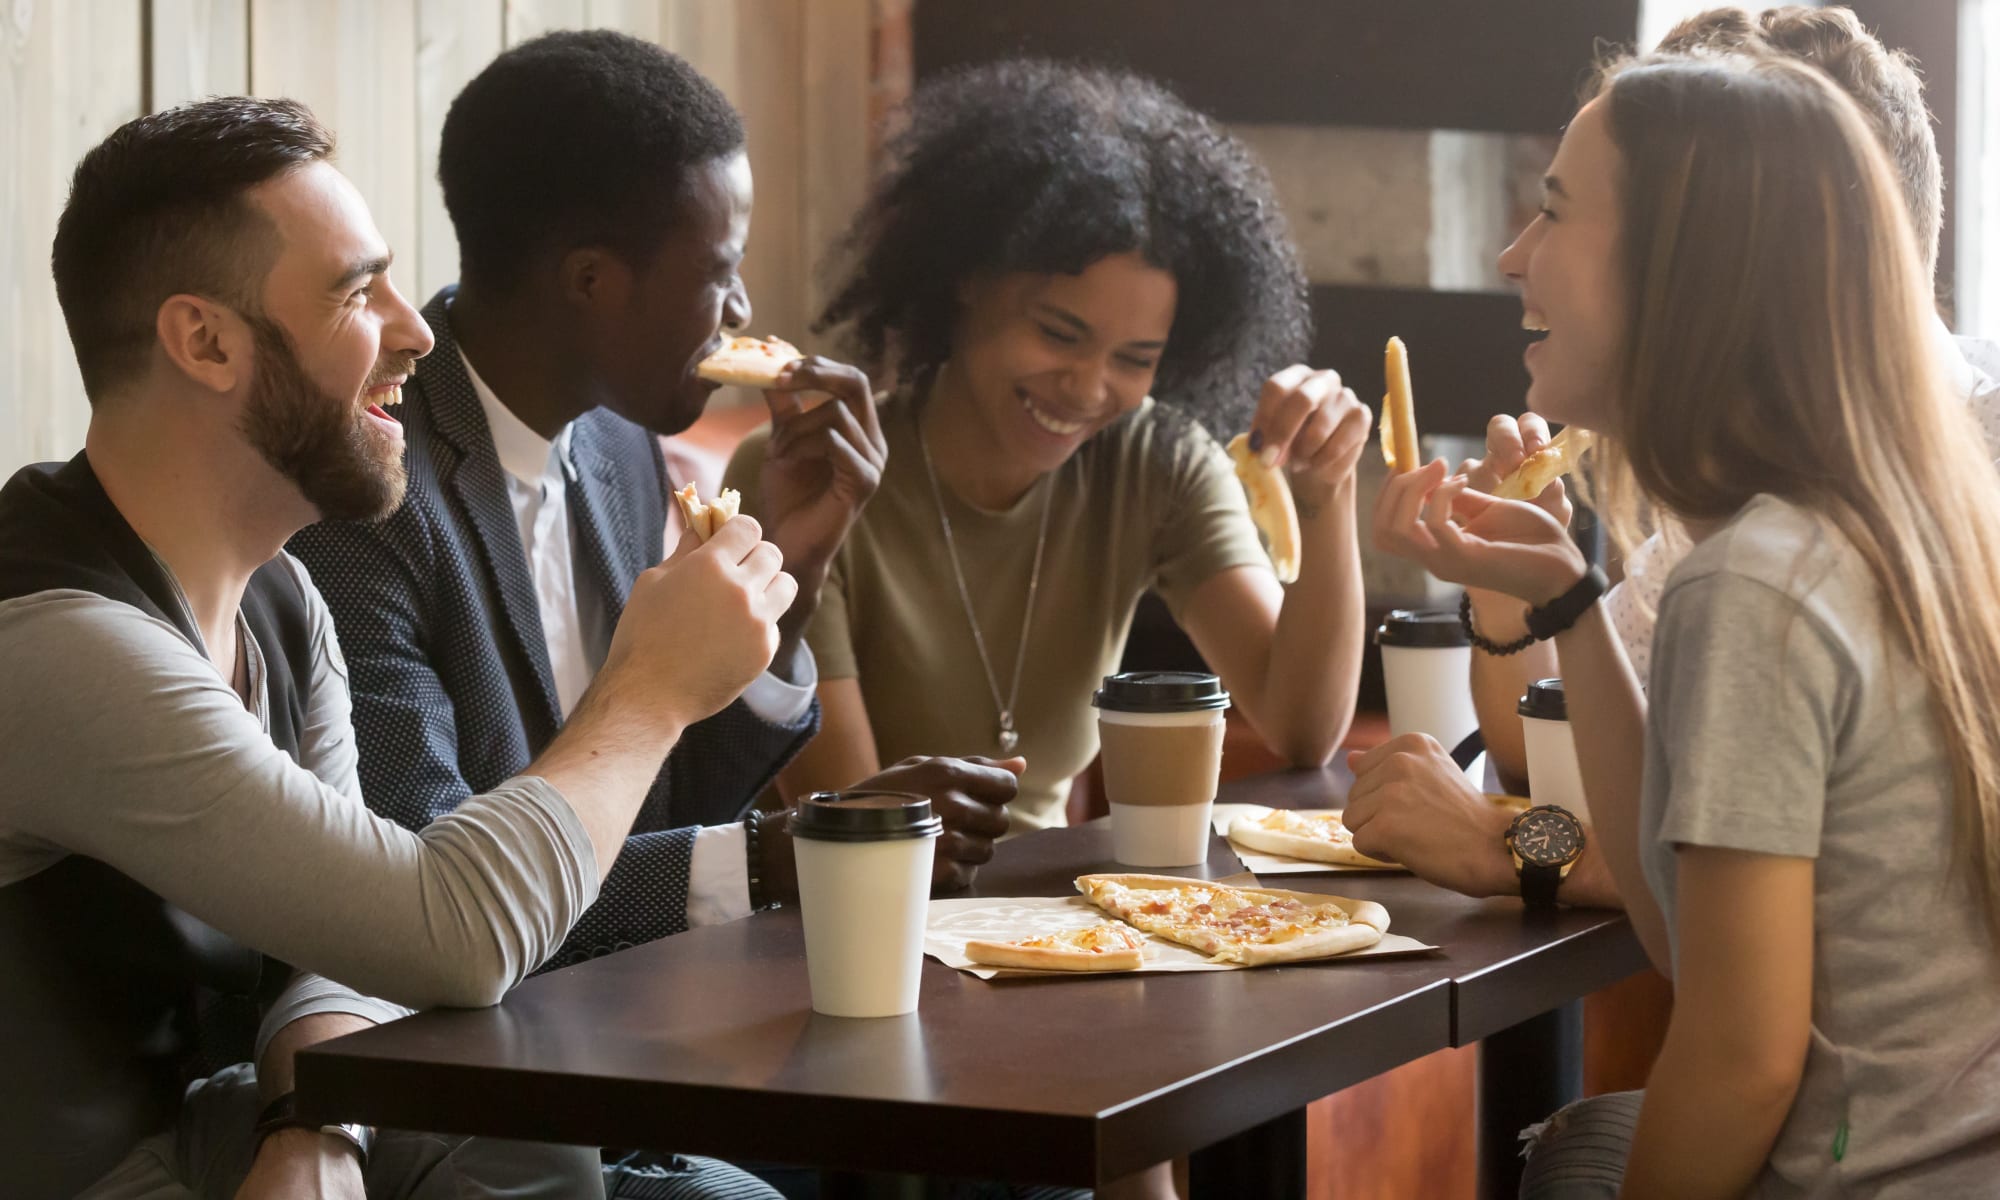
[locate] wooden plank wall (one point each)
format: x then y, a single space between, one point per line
382 74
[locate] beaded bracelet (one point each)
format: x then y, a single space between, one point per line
1496 649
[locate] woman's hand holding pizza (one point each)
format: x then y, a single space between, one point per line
1313 428
1466 537
1509 443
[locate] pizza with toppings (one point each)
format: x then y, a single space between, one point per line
749 361
1105 946
1316 836
705 519
1239 925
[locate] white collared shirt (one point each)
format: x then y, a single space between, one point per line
539 471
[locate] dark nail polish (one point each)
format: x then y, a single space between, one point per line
1256 440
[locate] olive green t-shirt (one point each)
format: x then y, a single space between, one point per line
1148 503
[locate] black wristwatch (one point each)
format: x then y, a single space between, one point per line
283 1113
1545 842
1563 611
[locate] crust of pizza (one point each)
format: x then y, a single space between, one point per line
1545 466
1105 946
1271 507
749 361
705 519
1312 836
1359 924
1399 413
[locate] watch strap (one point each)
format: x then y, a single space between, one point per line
1563 611
1539 883
283 1113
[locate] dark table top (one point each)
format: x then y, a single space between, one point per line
1506 964
706 1042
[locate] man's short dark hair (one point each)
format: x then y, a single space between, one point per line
573 139
158 209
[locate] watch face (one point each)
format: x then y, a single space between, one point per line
1547 838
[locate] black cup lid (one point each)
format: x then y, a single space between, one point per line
863 816
1425 628
1544 701
1161 692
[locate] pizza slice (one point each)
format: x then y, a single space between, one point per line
1239 925
705 519
1105 946
1271 507
1316 836
749 361
1545 466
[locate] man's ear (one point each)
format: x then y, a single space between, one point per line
594 278
204 341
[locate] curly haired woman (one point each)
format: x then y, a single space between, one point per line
1077 282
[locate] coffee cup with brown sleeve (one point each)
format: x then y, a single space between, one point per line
1161 733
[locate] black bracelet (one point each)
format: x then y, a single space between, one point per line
753 853
1496 649
1564 611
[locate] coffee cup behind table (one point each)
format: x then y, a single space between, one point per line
864 863
1553 775
1161 733
1427 672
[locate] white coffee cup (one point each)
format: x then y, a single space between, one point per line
1553 774
1427 671
1161 736
864 864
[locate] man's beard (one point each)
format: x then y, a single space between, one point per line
344 468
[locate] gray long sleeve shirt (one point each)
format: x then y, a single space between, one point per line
124 743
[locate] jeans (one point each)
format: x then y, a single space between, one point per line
1580 1152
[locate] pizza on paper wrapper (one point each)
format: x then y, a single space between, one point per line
1105 946
1231 924
1312 836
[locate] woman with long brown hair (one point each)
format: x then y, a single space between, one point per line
1737 303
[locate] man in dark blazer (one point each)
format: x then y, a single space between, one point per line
601 197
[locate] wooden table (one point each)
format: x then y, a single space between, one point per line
706 1042
1518 977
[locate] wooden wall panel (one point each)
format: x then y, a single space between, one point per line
1440 64
455 40
355 64
768 51
199 48
835 167
70 72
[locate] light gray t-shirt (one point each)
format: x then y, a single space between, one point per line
125 743
1785 720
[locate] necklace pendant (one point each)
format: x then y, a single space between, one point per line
1008 738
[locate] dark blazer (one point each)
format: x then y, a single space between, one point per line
453 694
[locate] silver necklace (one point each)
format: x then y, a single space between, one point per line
1008 737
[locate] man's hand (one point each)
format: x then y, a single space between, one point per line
1412 805
1315 428
698 628
822 465
970 795
304 1164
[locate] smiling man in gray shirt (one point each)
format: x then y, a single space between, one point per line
182 839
